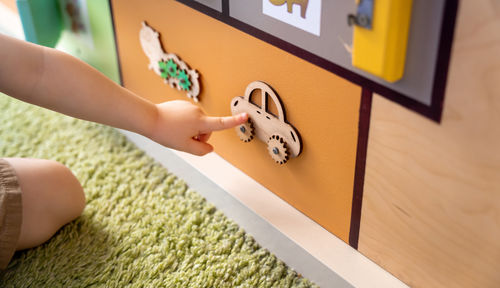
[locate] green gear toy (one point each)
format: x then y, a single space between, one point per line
163 69
171 68
184 80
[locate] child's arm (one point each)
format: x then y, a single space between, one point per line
60 82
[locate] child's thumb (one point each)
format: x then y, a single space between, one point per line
199 148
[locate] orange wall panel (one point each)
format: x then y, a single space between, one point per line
323 107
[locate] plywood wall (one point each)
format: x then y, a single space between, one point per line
431 207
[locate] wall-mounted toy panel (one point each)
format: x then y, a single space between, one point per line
317 171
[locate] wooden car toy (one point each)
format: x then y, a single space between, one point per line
283 140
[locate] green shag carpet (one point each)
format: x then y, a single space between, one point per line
142 226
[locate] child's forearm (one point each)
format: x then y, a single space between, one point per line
60 82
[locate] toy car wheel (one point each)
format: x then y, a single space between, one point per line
276 147
245 131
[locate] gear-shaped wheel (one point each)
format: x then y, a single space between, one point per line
163 69
276 147
184 80
171 68
245 131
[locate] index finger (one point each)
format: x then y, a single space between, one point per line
222 123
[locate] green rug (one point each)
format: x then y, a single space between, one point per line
142 226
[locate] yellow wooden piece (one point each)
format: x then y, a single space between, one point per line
381 50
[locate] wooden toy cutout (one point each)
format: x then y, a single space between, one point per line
289 4
283 141
167 65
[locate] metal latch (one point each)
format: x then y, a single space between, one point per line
363 16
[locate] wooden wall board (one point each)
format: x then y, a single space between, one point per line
323 107
431 204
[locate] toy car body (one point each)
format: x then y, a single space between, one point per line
282 138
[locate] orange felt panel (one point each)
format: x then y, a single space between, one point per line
323 107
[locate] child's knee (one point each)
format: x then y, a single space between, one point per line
51 197
49 189
70 198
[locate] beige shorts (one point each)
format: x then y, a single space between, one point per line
11 212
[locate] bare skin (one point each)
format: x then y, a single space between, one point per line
52 79
51 197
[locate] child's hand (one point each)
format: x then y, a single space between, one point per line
184 126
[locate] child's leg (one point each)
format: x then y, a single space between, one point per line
51 197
